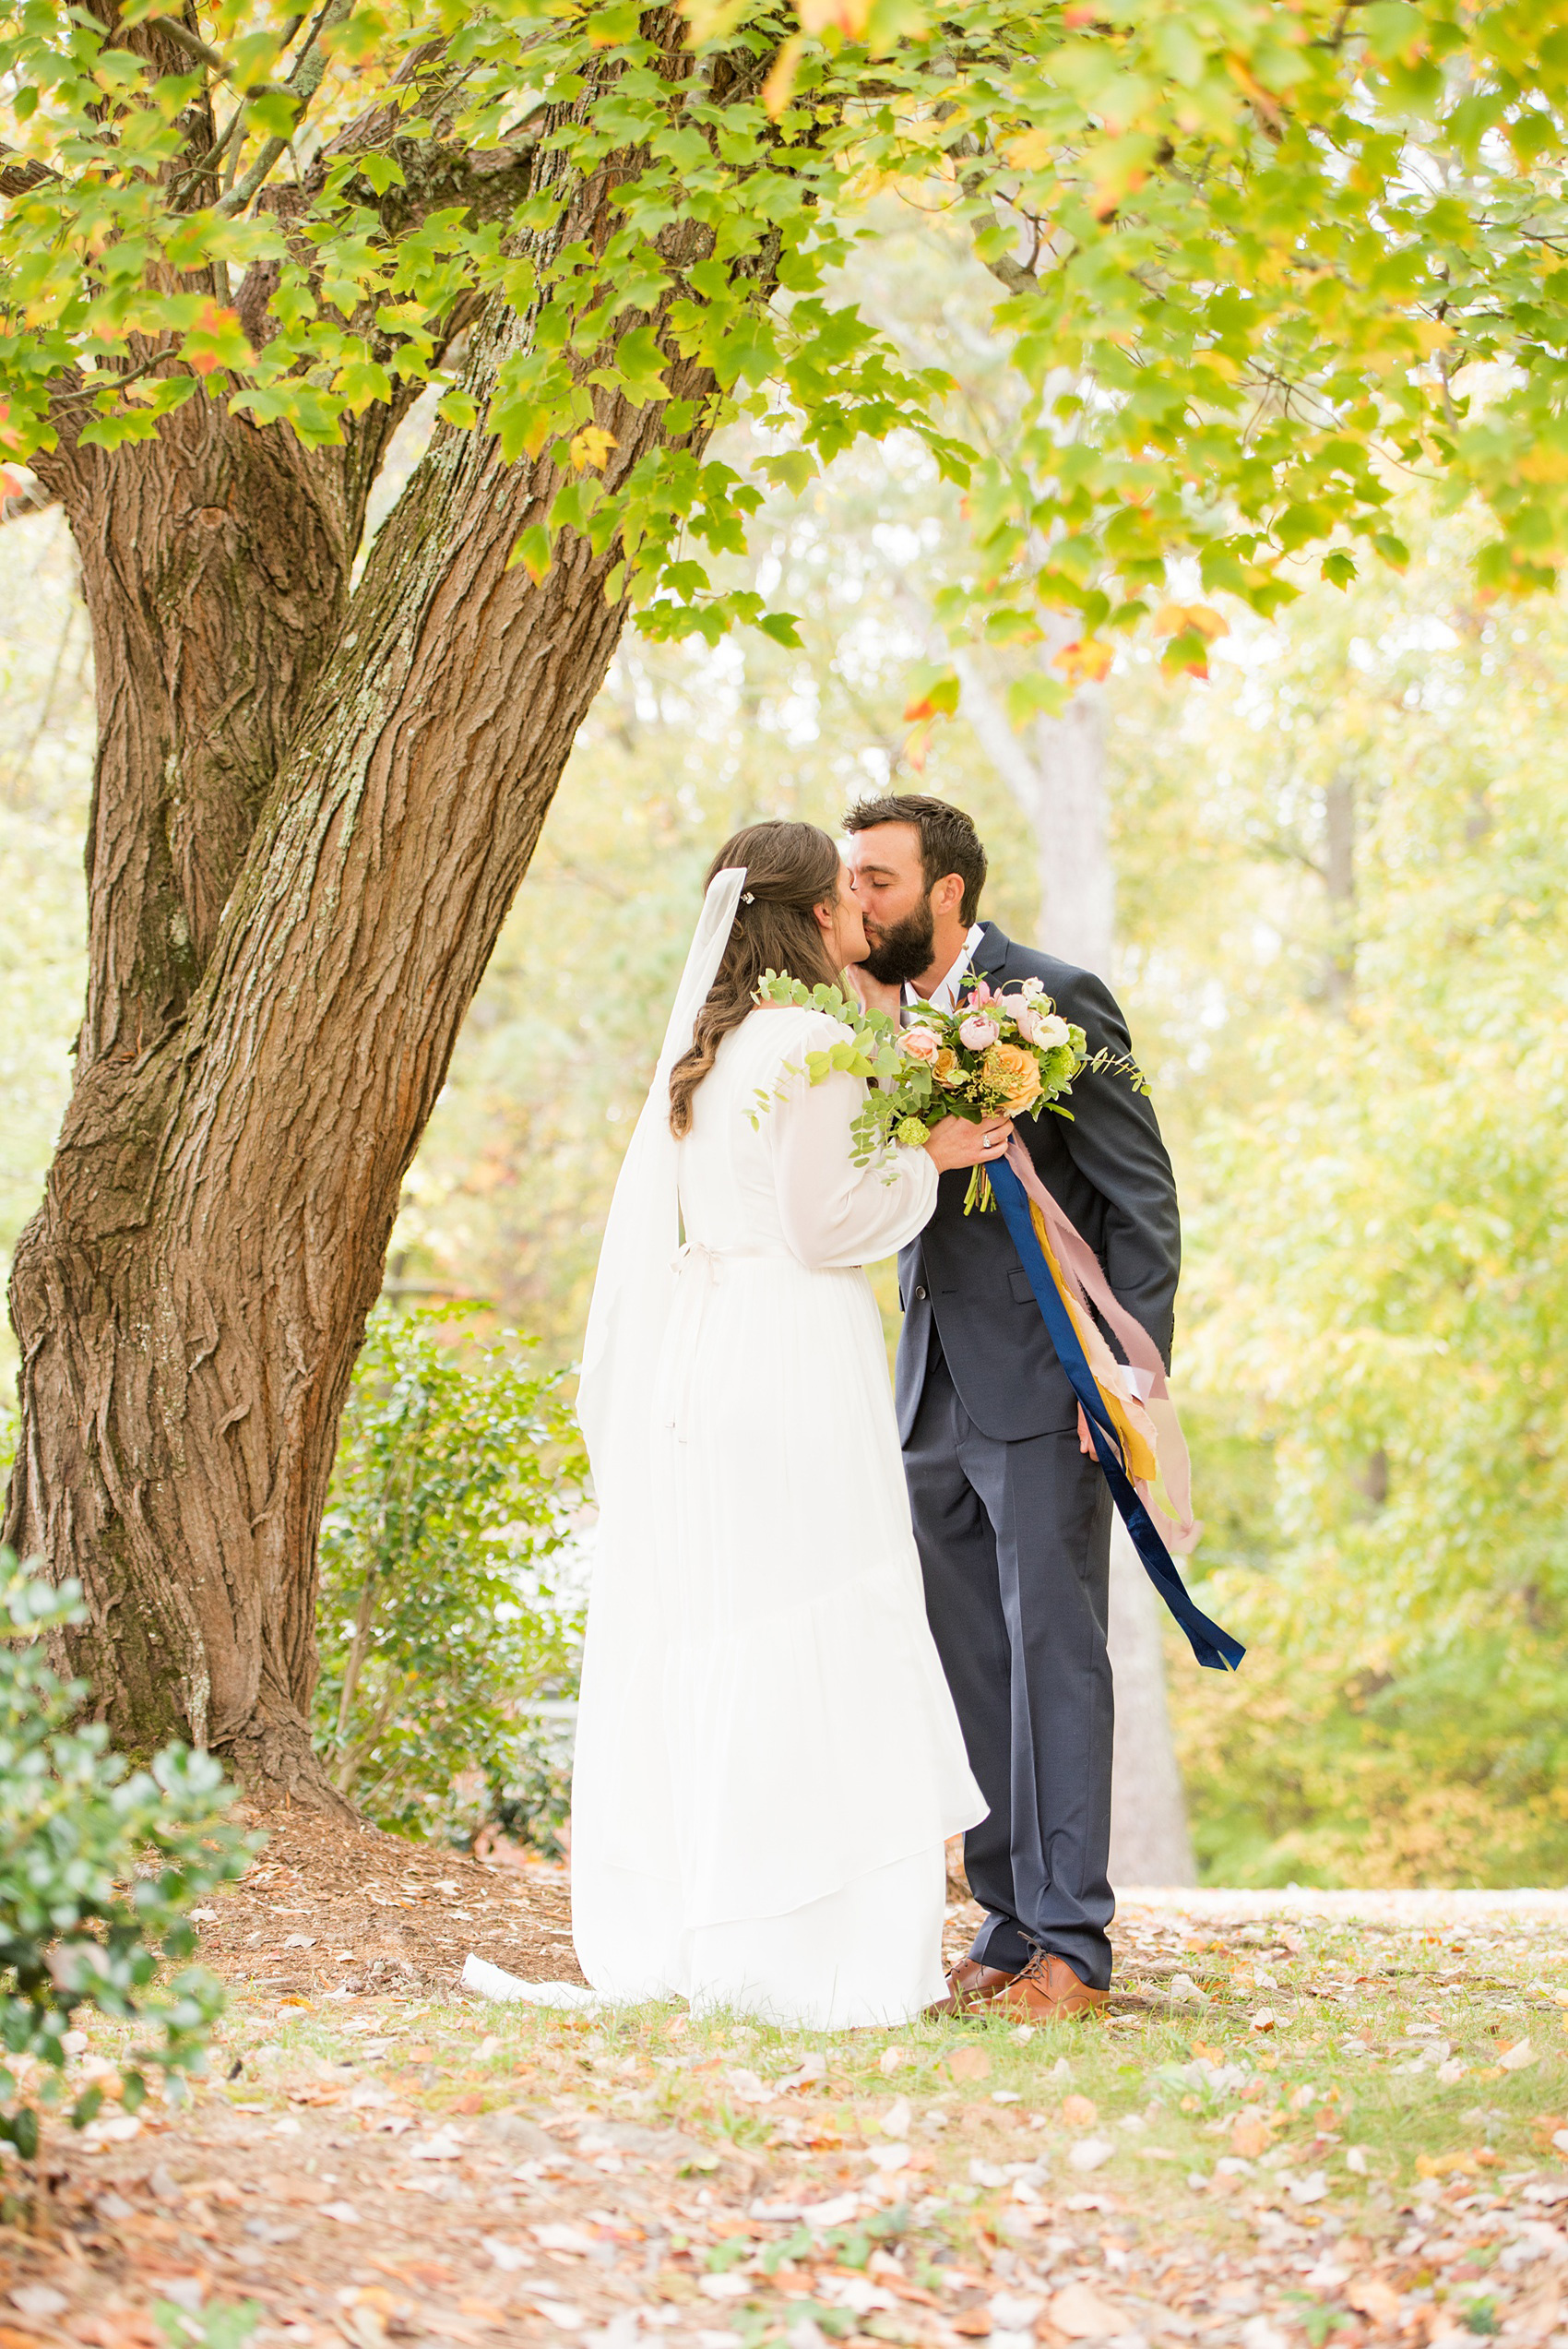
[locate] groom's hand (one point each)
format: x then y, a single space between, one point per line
958 1141
1086 1442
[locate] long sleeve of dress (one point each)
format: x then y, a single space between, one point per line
834 1213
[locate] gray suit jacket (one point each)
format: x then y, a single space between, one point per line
1108 1168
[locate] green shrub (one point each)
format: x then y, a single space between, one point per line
441 1615
98 1863
535 1802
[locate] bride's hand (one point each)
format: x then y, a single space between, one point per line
958 1142
875 994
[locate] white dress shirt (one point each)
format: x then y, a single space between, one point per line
946 996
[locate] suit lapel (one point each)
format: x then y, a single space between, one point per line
992 955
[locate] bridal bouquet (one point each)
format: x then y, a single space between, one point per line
999 1054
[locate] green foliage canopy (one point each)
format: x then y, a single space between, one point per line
1257 260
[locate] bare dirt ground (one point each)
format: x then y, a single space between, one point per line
328 1908
1309 2118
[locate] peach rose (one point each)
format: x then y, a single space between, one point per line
945 1068
920 1044
1010 1066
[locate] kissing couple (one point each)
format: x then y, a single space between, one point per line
828 1627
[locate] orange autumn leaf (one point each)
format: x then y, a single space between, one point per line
216 340
777 89
1087 659
848 15
1369 2296
1176 619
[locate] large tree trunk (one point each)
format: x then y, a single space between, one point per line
310 818
1056 772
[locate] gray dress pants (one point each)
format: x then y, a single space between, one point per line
1015 1543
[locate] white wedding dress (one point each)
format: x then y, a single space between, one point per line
769 1759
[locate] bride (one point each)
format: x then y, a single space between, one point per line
768 1761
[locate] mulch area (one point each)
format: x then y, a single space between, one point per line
329 1906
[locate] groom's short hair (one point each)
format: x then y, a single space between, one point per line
949 842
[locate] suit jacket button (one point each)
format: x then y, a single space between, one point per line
919 1293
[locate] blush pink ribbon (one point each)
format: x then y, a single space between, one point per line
1144 1372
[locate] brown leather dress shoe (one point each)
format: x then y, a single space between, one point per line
971 1987
1049 1991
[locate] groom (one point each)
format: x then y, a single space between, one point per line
1012 1513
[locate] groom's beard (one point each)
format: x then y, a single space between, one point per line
901 953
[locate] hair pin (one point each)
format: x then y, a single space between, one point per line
747 898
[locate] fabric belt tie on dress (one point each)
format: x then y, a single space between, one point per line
695 1255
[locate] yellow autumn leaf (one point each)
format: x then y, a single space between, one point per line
1031 152
591 446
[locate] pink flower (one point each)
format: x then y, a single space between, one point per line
1022 1012
920 1044
1037 1025
979 1032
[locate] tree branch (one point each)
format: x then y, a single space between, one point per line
310 68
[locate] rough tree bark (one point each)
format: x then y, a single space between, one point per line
311 811
1055 769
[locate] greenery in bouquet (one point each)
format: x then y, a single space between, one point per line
1000 1053
99 1865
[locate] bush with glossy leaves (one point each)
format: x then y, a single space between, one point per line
100 1863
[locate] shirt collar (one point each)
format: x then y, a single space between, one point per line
946 996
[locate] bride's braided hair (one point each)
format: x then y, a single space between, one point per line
791 869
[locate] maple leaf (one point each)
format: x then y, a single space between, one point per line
591 446
217 341
1086 659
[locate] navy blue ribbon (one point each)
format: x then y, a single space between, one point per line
1211 1646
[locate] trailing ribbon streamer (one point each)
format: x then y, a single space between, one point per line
1212 1646
1153 1447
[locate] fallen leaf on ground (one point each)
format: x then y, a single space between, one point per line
1082 2314
1369 2296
